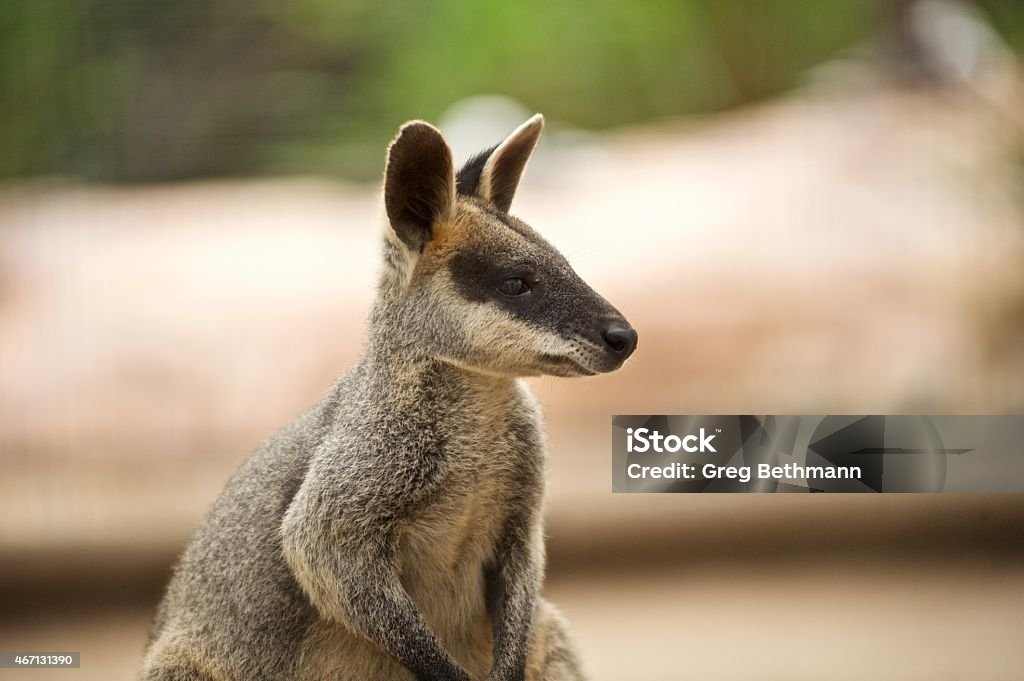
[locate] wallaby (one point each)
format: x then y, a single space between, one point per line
394 531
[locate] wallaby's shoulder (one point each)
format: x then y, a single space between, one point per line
442 432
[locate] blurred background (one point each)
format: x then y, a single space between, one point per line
804 207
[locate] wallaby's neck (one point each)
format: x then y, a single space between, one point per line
394 364
397 357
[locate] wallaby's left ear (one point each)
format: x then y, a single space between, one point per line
419 183
504 167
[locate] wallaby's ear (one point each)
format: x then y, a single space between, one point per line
419 183
504 166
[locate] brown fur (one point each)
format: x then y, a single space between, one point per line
395 531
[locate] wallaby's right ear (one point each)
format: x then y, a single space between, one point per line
419 183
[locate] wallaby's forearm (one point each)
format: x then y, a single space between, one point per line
354 581
514 587
380 609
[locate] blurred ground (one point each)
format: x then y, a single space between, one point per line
804 620
820 255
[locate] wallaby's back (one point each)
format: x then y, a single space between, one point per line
232 593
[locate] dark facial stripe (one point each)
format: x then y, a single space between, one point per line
559 302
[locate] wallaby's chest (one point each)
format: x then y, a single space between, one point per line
494 465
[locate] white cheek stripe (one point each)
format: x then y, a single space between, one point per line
550 343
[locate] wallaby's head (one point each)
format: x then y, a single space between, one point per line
468 283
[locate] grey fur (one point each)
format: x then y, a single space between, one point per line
394 531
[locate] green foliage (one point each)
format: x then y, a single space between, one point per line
138 90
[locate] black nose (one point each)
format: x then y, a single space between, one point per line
620 338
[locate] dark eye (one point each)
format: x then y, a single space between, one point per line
513 286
